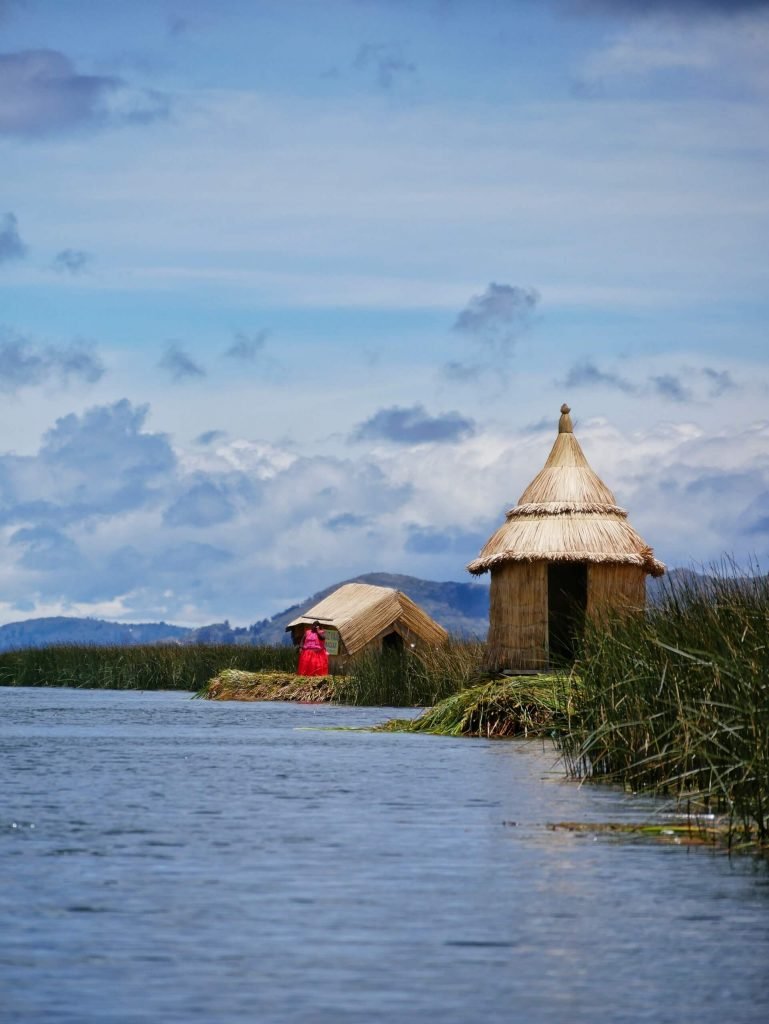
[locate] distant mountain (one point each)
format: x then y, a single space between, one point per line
63 629
681 580
461 608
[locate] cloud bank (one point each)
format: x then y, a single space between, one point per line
110 517
42 93
24 365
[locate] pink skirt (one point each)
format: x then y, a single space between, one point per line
313 663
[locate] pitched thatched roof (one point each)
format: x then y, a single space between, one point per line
361 612
567 514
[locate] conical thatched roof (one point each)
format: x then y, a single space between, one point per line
361 611
567 514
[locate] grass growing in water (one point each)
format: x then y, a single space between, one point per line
677 702
519 706
411 678
144 667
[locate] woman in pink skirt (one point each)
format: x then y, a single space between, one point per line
313 658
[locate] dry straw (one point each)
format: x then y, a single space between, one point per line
362 612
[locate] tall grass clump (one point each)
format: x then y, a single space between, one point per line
411 678
518 706
143 667
677 701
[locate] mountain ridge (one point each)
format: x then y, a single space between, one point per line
461 608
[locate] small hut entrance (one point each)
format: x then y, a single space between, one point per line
566 607
392 642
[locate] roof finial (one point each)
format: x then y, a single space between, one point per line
564 423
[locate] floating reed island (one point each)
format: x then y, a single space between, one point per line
235 684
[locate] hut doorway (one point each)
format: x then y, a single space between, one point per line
392 642
566 607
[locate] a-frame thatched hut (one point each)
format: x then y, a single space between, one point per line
565 551
360 616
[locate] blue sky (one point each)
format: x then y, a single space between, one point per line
291 291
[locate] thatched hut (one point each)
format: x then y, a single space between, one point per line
360 616
564 552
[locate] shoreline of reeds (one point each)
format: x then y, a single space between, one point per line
141 667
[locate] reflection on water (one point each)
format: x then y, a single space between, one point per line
173 860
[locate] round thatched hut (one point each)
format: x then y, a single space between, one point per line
564 552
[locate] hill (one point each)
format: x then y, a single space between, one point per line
459 607
63 629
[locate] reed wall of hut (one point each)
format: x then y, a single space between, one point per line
566 552
518 617
615 589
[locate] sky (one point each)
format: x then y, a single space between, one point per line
293 290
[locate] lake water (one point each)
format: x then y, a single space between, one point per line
172 860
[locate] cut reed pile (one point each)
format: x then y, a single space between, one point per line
518 706
144 667
233 684
678 702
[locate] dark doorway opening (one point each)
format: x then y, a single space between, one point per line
566 606
392 642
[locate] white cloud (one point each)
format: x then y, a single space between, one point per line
729 51
193 538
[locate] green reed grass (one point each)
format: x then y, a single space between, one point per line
143 667
517 706
411 678
677 702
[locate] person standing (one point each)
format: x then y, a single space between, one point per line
313 657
